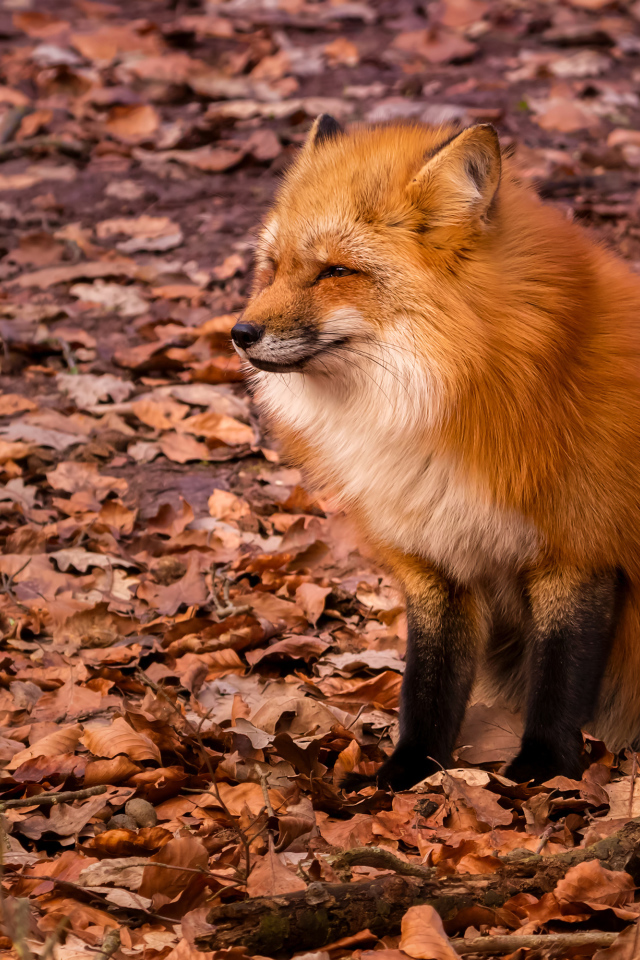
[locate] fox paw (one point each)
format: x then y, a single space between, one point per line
404 768
541 766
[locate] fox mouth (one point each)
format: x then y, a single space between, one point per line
300 363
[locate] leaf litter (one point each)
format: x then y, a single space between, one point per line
187 634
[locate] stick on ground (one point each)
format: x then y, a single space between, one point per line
309 919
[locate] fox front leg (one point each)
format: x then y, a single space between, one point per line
446 629
573 622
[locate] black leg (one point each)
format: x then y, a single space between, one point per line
446 631
573 620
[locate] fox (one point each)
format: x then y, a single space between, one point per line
459 363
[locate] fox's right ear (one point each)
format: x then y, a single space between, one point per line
460 181
325 127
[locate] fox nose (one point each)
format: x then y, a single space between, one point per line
246 334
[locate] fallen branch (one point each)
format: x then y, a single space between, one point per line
50 799
309 919
551 943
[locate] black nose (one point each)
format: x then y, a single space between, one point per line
246 334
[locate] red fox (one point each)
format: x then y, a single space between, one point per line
461 365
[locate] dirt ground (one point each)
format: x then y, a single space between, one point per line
182 623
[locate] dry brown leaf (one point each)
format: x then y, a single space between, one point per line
462 13
144 226
108 42
231 265
435 46
181 852
342 52
119 738
624 798
225 505
215 426
311 597
37 24
564 115
61 741
207 159
625 947
423 935
270 877
73 477
591 883
182 448
15 451
114 770
161 414
11 403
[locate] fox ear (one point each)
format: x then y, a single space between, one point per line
460 181
325 127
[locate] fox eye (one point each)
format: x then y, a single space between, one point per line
336 271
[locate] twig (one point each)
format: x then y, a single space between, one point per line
110 944
7 584
49 799
551 829
545 941
378 857
72 148
228 608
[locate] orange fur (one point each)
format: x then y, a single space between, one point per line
491 340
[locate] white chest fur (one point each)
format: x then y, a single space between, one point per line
374 449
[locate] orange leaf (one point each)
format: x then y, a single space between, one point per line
217 426
61 741
271 877
423 935
311 598
181 852
132 123
118 737
589 882
224 505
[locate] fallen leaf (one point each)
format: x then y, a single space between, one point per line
423 935
61 741
181 852
271 878
625 947
591 883
116 738
227 506
311 598
126 301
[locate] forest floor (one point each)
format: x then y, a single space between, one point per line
182 623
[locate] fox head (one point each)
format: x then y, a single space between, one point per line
361 246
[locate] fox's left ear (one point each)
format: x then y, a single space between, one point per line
325 127
460 181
